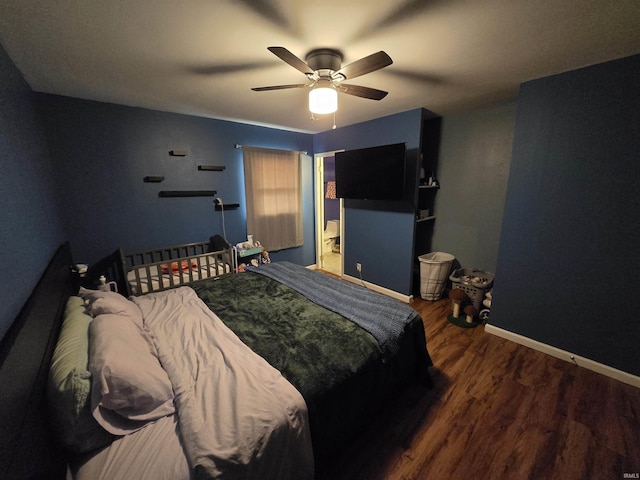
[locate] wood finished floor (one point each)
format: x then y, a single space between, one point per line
499 410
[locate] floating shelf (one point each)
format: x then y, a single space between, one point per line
228 206
211 168
428 186
152 179
426 219
187 193
178 153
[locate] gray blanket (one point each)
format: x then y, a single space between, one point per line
239 418
383 317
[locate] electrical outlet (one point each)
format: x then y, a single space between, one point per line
359 267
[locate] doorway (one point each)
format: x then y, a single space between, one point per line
329 223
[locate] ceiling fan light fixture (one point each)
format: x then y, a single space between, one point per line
323 98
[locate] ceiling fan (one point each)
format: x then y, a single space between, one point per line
326 76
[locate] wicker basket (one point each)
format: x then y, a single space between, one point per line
473 282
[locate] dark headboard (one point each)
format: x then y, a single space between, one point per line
27 448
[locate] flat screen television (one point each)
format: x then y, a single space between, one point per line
374 173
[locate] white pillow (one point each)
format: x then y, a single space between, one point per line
69 384
100 302
129 386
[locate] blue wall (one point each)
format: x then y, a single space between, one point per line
89 159
379 239
30 225
101 153
569 236
568 261
473 168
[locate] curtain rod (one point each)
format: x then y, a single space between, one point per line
237 145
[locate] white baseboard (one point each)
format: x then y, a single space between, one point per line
597 367
379 289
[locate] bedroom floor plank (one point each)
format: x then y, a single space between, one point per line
498 410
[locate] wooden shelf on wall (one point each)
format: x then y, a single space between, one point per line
211 168
152 179
187 193
228 206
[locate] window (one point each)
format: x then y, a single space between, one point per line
273 190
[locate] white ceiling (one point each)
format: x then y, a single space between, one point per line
201 57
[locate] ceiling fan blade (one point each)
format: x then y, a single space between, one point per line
279 87
365 65
364 92
286 56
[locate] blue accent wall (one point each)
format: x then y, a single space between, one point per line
30 225
568 261
101 153
377 237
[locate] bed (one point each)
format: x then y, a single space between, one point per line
325 375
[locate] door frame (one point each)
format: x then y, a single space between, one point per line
318 160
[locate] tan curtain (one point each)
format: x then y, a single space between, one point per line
273 190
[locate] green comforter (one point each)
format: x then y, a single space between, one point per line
335 365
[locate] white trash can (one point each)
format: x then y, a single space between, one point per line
434 272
